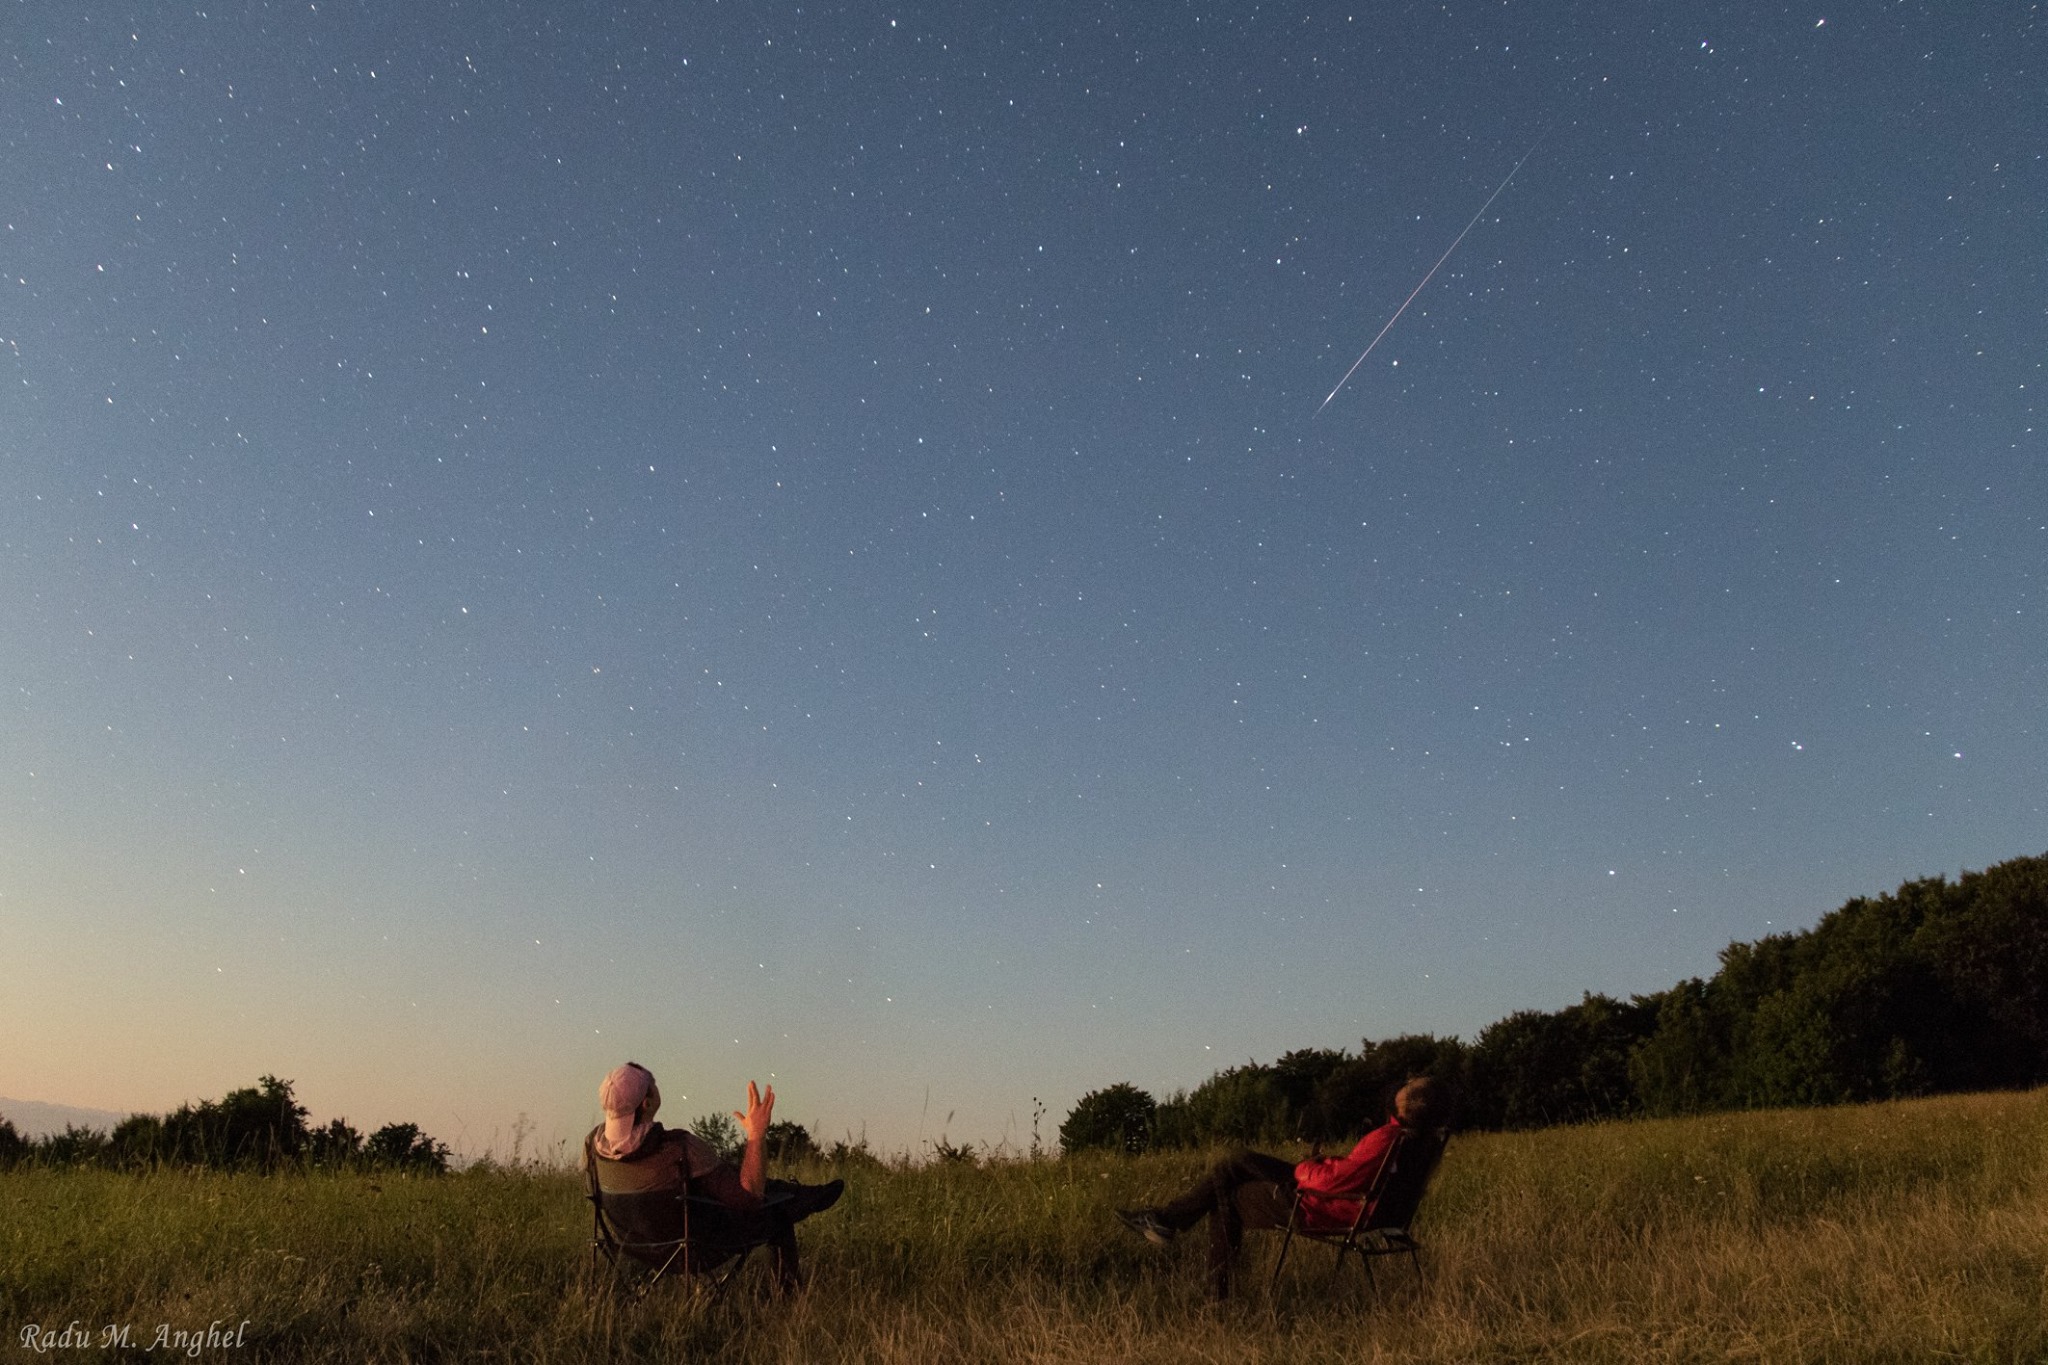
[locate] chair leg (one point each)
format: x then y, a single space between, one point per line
609 1276
720 1282
1280 1262
682 1254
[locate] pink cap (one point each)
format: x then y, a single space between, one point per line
622 1094
623 1088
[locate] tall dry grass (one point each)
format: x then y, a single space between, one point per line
1910 1232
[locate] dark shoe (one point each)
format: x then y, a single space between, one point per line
1147 1224
810 1199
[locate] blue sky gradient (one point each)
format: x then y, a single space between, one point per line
799 542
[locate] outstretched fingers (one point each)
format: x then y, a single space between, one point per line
760 1109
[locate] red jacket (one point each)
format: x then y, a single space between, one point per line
1332 1185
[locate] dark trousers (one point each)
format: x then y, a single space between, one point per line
729 1227
1244 1190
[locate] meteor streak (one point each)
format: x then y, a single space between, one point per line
1427 278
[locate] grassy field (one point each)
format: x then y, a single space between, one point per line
1915 1231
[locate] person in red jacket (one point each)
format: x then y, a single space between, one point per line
1252 1189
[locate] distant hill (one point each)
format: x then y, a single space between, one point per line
35 1119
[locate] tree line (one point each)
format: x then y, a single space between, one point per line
1937 987
784 1142
261 1128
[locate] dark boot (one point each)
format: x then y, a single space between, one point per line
810 1199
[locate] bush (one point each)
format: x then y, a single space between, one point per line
14 1148
790 1142
721 1132
403 1147
1118 1119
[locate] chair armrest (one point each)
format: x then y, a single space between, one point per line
773 1199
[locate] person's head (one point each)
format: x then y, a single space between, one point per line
1422 1103
629 1097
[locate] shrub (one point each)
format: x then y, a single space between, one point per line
1117 1119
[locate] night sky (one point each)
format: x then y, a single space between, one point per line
799 542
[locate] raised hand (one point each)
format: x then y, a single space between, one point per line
754 1123
760 1110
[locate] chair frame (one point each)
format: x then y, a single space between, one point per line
613 1248
1365 1236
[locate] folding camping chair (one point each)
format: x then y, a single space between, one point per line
1385 1210
663 1231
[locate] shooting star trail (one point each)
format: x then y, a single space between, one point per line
1430 276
